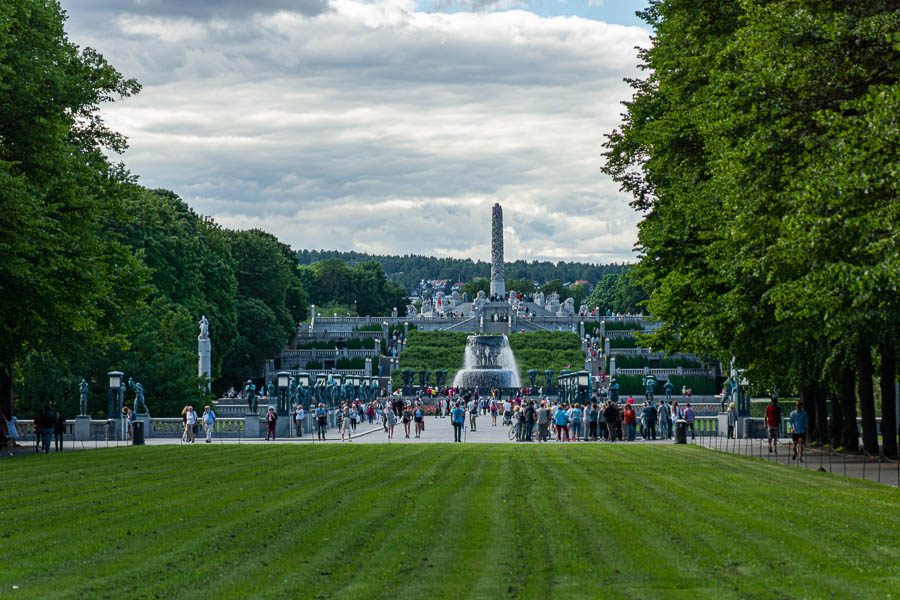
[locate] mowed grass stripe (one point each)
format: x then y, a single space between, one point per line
187 524
440 521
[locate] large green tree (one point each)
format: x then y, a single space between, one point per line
52 162
759 150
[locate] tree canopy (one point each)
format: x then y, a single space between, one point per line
761 150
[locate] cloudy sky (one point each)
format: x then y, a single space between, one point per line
386 126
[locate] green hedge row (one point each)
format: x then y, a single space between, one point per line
433 350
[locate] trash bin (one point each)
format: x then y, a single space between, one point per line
137 433
681 431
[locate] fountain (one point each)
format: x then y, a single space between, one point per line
489 363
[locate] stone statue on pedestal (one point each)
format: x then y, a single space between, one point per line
250 395
138 397
454 298
568 308
411 310
204 352
539 298
480 301
83 388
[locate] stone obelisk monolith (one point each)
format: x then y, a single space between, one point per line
498 280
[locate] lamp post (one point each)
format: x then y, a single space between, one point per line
284 380
584 385
115 381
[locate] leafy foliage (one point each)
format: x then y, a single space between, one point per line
761 150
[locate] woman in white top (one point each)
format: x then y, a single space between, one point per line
298 417
189 425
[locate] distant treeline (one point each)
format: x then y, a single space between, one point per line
410 269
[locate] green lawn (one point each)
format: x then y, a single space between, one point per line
439 521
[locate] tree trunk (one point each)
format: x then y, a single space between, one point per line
866 391
888 407
849 432
837 418
821 424
807 396
6 386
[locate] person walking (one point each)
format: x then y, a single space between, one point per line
530 414
591 417
732 419
12 433
494 410
612 418
209 421
575 416
321 421
299 415
458 419
773 423
185 437
799 427
689 419
473 414
47 422
271 420
662 420
390 420
630 417
419 418
59 430
345 423
561 420
543 421
407 419
648 421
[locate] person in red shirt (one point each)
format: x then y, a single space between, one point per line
630 418
773 423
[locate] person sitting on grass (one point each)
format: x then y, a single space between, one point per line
799 426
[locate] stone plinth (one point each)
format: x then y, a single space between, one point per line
253 425
82 429
204 352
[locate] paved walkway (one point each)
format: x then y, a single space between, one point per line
438 430
884 471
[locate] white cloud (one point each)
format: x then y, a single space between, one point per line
380 128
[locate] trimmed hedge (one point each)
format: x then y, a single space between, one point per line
540 350
619 326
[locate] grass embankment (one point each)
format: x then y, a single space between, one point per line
439 521
538 350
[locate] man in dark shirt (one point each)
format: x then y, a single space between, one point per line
648 420
529 420
611 414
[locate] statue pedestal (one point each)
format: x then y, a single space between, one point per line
204 362
252 425
82 428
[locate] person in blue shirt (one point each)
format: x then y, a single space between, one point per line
209 421
561 420
799 426
458 419
575 415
